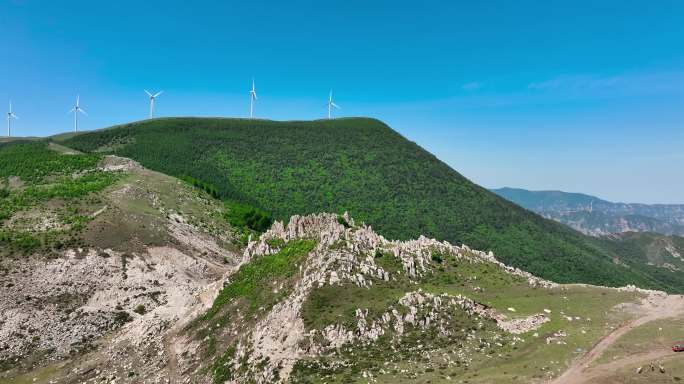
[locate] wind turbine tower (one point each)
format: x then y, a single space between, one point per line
252 99
331 105
152 98
76 110
10 116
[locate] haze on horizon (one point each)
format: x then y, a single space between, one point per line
579 97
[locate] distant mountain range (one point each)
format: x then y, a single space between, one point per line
594 216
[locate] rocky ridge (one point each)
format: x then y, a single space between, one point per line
345 254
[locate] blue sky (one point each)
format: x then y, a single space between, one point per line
576 96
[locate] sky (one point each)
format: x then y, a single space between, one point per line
580 96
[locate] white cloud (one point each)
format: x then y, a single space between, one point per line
472 86
635 83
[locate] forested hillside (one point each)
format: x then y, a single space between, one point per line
364 167
659 255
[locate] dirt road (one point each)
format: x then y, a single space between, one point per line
654 307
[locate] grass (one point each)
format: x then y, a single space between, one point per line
249 294
674 373
40 376
660 334
530 358
527 360
253 282
364 167
139 217
32 175
533 358
337 304
32 161
220 370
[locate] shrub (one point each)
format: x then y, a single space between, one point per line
341 220
246 216
122 317
437 257
206 187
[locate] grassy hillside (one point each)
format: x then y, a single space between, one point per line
363 166
361 324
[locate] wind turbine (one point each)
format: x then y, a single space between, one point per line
152 97
76 109
331 104
252 99
10 116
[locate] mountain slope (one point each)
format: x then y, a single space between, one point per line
661 255
364 167
99 258
115 273
594 216
323 300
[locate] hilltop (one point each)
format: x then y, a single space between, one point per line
364 167
112 272
596 217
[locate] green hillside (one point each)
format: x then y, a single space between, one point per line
658 255
364 167
544 200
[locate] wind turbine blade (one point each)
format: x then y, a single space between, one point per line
158 93
14 116
78 99
335 105
148 93
82 111
71 110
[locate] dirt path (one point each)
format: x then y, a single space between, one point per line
595 373
654 307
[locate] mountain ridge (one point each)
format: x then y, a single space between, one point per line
131 275
362 166
595 216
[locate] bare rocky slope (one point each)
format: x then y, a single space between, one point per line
139 278
142 256
322 299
